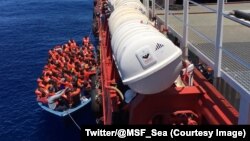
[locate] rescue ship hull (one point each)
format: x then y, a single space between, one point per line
190 100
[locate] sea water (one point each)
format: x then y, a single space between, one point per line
28 29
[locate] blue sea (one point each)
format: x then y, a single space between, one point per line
28 29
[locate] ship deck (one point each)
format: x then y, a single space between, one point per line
202 28
236 39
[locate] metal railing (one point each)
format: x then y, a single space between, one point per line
216 46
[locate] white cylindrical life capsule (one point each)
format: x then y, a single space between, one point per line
147 61
123 15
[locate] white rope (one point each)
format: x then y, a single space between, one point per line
74 121
90 32
117 90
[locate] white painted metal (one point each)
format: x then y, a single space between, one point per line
185 29
136 4
147 7
244 117
166 13
147 61
153 8
124 16
203 57
219 38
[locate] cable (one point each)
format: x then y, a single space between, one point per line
117 90
74 121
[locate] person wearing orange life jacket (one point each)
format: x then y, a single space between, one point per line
46 67
47 72
55 79
42 84
43 100
69 43
81 75
78 66
85 41
57 63
85 53
91 47
40 79
44 91
38 92
80 82
68 77
66 48
56 71
50 66
77 47
74 96
70 66
51 90
88 58
74 71
52 52
77 61
68 85
75 92
58 48
46 79
62 59
47 87
87 75
87 85
72 43
61 63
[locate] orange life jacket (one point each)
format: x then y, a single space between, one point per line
80 82
46 79
41 85
44 100
69 85
39 80
86 41
51 66
55 71
88 73
68 78
76 92
38 93
55 78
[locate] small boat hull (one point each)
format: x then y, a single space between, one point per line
84 102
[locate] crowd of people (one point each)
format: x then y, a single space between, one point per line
69 67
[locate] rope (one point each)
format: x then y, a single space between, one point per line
90 39
74 121
90 32
117 90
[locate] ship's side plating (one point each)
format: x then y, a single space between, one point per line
199 103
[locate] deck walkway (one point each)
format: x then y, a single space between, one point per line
236 39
